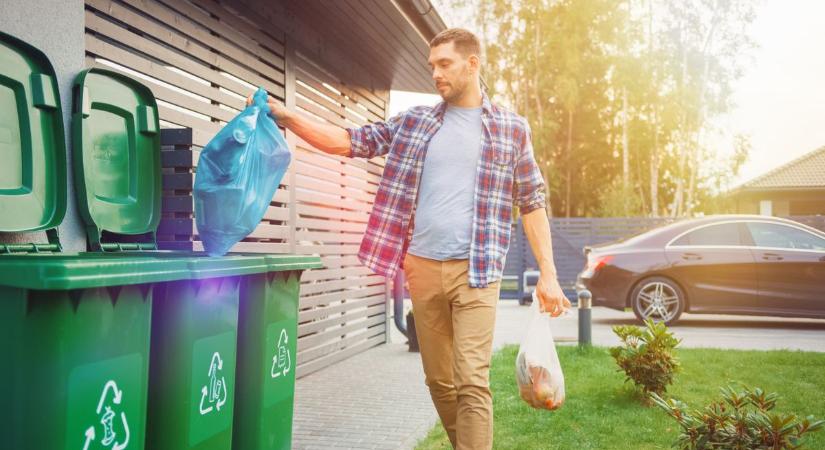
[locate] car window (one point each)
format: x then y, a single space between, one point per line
722 234
782 236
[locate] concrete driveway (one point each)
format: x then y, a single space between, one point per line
695 330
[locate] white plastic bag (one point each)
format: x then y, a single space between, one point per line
538 371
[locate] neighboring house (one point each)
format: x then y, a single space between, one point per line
336 60
794 189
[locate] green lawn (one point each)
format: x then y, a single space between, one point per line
602 412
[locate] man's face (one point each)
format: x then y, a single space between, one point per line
452 72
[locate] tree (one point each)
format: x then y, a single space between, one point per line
621 96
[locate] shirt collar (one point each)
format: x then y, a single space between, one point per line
486 107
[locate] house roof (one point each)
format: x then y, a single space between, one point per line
388 39
805 172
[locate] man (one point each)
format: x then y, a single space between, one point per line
443 213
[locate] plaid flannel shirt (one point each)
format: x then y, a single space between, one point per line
507 174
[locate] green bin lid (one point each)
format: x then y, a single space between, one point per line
248 263
201 265
63 271
32 146
116 154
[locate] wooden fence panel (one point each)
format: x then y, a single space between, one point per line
344 308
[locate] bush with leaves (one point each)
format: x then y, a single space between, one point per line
741 420
646 355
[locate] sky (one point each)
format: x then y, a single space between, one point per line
779 102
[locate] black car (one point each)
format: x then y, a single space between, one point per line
732 264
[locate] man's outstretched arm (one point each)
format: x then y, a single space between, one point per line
325 137
362 142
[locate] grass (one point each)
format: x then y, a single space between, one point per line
604 412
509 285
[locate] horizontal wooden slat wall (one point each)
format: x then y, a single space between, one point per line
344 311
201 59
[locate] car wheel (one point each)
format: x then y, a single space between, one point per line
659 299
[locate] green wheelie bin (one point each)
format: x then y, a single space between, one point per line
78 345
267 345
74 330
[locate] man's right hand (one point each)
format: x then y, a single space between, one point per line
326 137
276 108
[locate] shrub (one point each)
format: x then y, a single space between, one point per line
646 355
740 420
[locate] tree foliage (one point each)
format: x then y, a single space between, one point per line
621 95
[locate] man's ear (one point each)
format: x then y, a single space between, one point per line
475 62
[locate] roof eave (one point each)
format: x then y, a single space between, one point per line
427 23
778 189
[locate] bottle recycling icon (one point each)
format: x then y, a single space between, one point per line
113 436
214 394
281 362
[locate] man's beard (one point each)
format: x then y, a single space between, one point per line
457 90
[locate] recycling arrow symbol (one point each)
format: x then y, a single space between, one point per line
281 362
211 393
109 436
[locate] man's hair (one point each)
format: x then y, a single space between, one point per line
465 41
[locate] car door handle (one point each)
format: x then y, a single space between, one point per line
772 257
691 256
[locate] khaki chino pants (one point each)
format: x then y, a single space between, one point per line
454 325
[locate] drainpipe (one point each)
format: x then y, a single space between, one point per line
423 16
398 303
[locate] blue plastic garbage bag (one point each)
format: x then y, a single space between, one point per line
237 175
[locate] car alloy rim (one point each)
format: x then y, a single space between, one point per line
657 301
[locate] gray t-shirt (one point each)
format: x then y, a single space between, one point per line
446 194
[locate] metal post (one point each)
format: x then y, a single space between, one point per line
585 301
389 299
398 303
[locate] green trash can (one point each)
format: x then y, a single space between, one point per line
267 346
202 370
78 344
193 361
74 331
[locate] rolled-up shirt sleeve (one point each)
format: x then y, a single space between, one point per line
373 139
528 182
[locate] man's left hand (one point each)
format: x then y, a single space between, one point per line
551 298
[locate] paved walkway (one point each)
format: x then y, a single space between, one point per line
374 400
378 400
